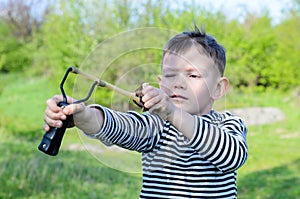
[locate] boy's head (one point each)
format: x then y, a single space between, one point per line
205 44
192 71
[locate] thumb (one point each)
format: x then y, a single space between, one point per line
73 108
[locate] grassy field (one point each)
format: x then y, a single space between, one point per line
272 170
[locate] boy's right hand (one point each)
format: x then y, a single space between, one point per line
54 115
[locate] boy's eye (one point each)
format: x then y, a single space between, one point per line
194 76
169 75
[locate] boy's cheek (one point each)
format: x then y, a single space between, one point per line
164 90
165 87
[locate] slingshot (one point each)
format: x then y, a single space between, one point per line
51 141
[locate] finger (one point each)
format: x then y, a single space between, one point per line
146 88
54 112
46 127
145 85
52 103
150 93
151 100
52 122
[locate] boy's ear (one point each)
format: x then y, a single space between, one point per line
159 80
221 88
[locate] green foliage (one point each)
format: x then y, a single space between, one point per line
260 54
63 40
15 55
246 65
287 57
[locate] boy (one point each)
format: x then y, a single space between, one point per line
188 150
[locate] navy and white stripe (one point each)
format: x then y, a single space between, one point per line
174 166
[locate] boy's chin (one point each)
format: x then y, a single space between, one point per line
185 108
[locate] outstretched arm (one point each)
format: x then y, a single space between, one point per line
129 130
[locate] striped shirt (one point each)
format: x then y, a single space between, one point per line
174 166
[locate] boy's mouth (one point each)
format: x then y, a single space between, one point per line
178 97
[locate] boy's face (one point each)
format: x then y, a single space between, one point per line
190 81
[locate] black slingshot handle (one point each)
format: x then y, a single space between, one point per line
51 141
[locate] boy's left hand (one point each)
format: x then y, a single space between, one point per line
157 101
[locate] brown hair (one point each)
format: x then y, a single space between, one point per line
206 44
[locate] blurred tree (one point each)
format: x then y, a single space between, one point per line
123 12
252 56
288 53
22 16
50 36
18 22
63 40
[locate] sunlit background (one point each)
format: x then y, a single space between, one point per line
121 41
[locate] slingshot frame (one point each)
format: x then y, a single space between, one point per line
102 83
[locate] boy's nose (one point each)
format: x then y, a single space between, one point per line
180 82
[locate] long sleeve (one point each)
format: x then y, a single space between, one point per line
221 139
130 130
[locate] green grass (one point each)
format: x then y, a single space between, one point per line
27 173
272 170
22 103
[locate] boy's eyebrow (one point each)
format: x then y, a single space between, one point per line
188 69
192 69
168 69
